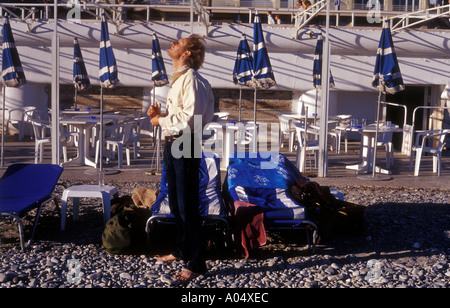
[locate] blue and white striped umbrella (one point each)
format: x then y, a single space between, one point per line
317 65
159 78
387 77
108 78
159 75
12 72
108 66
80 76
263 76
243 66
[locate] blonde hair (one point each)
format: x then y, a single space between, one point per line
197 47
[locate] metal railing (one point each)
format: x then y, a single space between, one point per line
31 12
420 17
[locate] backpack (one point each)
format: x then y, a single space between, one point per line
125 231
116 237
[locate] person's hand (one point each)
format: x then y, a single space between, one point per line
154 110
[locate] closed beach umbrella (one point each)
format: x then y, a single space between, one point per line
387 77
243 68
159 75
317 69
12 72
80 77
263 77
159 78
317 66
107 73
108 67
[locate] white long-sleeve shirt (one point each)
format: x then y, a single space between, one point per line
189 94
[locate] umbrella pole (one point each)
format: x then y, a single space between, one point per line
376 136
254 123
3 126
240 102
153 127
76 98
157 133
158 149
315 109
374 176
101 175
156 144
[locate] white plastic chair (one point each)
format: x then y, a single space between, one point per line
19 116
286 129
122 140
435 151
136 134
41 131
305 145
335 134
385 139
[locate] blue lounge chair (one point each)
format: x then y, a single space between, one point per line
265 182
24 187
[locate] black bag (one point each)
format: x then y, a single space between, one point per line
116 237
125 231
332 216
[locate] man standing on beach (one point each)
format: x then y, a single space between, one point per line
189 95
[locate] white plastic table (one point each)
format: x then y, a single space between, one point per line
84 126
87 191
368 147
226 132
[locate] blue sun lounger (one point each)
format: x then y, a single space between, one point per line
24 187
265 182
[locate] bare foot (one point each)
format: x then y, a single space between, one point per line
167 258
186 275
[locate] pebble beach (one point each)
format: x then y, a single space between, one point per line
406 244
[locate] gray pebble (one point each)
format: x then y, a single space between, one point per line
406 233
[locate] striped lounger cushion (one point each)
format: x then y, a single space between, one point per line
211 202
252 182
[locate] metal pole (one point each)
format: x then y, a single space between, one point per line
240 102
3 126
192 16
55 100
55 89
323 151
377 124
76 99
157 134
255 136
100 136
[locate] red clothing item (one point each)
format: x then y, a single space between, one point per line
250 231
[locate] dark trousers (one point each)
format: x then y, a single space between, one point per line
182 176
